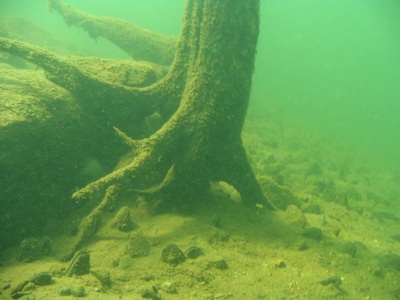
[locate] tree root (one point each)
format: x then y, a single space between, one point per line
201 142
89 224
129 104
203 98
139 43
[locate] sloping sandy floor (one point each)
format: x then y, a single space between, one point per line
351 199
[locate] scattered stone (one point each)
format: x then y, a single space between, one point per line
279 179
169 287
332 292
150 293
103 277
219 264
148 277
80 264
219 237
65 291
137 246
122 220
313 208
76 291
315 220
334 280
280 264
201 278
115 263
32 249
304 246
173 255
313 233
279 196
193 252
295 217
352 248
42 278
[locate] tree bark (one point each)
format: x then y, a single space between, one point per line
201 142
202 99
139 43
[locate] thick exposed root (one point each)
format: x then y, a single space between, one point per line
129 104
202 139
89 224
202 100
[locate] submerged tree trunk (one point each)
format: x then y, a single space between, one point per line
201 142
203 100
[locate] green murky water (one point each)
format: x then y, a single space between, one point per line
335 66
331 65
327 73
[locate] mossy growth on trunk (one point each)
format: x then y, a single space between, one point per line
202 100
201 142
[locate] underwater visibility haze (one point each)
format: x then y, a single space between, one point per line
160 215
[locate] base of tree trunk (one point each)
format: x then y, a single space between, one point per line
202 101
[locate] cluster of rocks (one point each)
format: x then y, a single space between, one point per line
138 246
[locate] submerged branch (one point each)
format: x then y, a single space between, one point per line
154 157
88 226
128 103
139 43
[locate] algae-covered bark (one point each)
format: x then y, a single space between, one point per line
202 100
139 43
201 142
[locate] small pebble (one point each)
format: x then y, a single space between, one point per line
149 293
219 264
169 287
313 233
137 246
173 255
122 220
65 291
304 246
280 264
76 291
193 252
334 280
42 278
